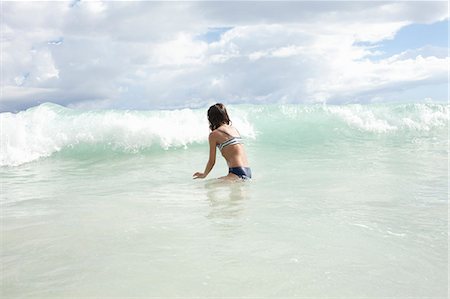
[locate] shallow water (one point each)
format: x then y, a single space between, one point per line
342 204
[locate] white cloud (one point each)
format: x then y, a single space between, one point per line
148 55
182 50
95 7
366 76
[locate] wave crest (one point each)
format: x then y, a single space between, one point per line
48 128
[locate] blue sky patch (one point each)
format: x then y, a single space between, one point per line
417 35
213 34
413 36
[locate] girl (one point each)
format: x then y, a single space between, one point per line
226 138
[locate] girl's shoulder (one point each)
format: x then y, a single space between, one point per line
214 134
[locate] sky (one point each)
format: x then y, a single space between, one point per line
189 54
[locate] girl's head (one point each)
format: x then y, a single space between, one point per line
217 116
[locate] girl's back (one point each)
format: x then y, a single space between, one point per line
234 154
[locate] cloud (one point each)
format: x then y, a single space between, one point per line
147 55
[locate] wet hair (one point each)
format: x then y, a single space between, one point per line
217 116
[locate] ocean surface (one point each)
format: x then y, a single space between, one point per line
346 201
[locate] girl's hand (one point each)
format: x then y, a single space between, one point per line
199 175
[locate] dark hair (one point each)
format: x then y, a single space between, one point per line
217 116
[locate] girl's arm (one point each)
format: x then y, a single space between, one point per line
211 160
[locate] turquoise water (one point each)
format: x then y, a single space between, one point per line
346 201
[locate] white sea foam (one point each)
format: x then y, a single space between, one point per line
362 119
371 118
382 119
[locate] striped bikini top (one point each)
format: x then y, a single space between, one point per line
231 141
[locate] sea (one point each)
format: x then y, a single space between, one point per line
346 201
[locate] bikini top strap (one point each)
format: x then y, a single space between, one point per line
225 133
229 134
